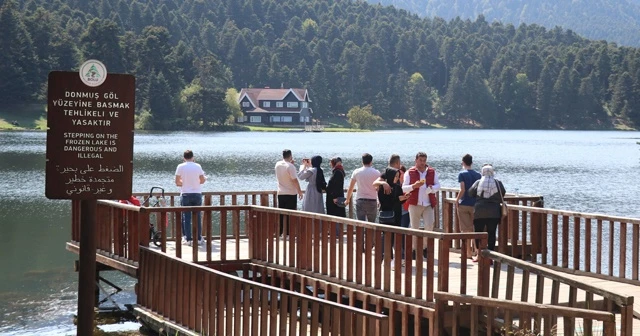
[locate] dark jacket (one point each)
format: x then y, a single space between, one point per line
335 189
487 207
391 201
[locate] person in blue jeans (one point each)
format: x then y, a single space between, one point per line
190 177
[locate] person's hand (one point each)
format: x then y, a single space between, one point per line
335 201
346 202
387 188
429 190
300 194
403 197
418 184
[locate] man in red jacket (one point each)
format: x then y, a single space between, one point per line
423 183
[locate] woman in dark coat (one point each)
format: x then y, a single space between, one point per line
487 212
335 188
393 200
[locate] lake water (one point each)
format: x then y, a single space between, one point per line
574 170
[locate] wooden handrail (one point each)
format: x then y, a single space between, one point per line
567 213
527 307
619 299
347 258
264 286
532 317
225 303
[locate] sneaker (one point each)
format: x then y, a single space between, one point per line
201 241
189 242
184 240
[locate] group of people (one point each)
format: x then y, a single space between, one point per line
403 197
400 196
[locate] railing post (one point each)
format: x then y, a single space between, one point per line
443 265
626 320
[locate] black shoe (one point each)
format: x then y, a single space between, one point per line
424 253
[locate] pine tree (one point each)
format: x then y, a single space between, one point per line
560 100
622 94
18 63
100 41
544 94
160 102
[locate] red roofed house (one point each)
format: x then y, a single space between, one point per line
275 106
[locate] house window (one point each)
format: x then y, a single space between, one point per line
279 104
287 119
266 104
304 119
246 104
305 104
275 118
256 119
292 104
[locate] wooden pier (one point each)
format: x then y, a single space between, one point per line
335 276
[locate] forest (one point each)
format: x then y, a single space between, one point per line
612 20
190 56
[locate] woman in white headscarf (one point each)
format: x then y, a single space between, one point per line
489 193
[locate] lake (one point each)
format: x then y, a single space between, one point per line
587 171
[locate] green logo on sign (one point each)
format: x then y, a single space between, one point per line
93 72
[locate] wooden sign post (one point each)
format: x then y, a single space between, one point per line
90 117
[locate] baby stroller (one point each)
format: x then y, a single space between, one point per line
156 201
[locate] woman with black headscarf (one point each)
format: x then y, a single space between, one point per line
311 172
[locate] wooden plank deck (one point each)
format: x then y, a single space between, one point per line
456 266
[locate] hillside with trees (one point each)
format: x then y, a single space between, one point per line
187 54
612 20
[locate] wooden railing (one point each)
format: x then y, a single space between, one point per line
601 246
509 240
533 319
211 302
404 318
120 229
515 286
333 249
172 199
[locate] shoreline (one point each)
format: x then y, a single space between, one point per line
32 117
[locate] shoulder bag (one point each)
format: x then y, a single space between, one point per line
386 217
504 211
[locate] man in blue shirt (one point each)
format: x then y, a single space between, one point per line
465 203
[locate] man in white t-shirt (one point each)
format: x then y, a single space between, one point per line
366 195
288 185
190 177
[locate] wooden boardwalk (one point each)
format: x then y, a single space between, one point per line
456 264
592 277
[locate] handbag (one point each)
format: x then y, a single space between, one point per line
504 211
386 217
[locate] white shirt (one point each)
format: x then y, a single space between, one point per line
423 191
365 176
286 176
190 173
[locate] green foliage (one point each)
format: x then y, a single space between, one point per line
615 20
231 99
363 118
347 53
